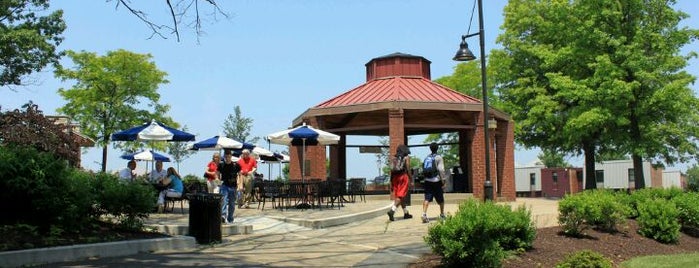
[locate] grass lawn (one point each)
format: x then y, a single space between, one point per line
659 261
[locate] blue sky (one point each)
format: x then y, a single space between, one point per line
274 59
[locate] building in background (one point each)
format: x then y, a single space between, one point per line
528 179
557 182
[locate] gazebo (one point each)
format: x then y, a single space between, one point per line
398 100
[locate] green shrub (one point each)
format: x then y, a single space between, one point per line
658 219
571 215
129 203
597 208
643 195
585 259
688 208
38 189
479 234
194 184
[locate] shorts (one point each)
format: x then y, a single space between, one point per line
433 190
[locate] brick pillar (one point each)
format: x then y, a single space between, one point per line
396 130
478 159
338 159
314 157
506 159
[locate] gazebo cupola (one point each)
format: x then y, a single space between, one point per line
397 64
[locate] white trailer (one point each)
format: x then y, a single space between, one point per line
672 178
528 180
619 174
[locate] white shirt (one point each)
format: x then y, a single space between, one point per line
126 174
156 175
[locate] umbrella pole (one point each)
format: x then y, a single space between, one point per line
303 161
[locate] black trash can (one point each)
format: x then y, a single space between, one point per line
459 180
205 217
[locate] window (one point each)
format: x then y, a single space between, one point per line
631 175
554 176
532 178
599 176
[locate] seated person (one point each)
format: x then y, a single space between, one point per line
158 173
129 173
175 187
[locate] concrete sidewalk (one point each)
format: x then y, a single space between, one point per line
311 238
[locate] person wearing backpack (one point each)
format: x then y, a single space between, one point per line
433 171
400 180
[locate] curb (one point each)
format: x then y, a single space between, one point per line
110 249
178 229
334 221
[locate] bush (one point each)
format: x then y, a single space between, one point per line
129 203
479 234
688 209
657 219
646 194
194 184
597 208
39 189
585 259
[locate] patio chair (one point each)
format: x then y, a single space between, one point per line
171 201
271 190
357 187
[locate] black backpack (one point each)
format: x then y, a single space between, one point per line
397 164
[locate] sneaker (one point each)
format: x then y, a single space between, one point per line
407 216
224 220
390 215
442 217
425 219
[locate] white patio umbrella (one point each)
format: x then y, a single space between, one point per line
303 135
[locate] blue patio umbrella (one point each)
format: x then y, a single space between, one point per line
146 156
153 131
217 143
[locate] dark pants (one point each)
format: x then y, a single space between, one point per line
433 190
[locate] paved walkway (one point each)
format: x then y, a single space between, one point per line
276 242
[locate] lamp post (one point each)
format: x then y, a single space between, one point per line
464 54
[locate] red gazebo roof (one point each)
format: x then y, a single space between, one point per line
398 88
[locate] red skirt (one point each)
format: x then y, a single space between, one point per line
399 184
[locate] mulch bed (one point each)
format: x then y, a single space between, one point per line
551 247
104 232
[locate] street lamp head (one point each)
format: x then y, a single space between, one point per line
464 54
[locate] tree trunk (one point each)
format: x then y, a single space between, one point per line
590 181
638 171
104 158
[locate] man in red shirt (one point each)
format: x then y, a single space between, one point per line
248 166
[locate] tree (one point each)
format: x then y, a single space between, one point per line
238 127
466 79
178 13
28 39
31 128
693 179
179 151
552 158
593 76
112 92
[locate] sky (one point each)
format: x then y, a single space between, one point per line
275 60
